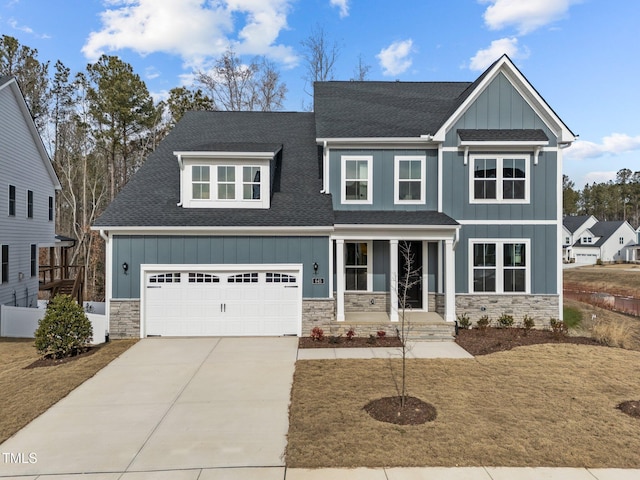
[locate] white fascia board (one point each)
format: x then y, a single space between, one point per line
514 144
238 155
537 103
186 230
37 139
377 142
387 232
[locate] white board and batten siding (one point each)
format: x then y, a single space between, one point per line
221 300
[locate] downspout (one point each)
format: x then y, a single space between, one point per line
325 168
181 166
107 280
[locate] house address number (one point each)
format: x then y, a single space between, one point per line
318 281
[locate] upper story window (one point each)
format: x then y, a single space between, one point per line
499 266
621 240
356 179
12 201
499 178
29 204
409 177
225 183
567 240
587 240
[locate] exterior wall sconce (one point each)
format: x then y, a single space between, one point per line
125 267
315 268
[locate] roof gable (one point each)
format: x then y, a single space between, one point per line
504 66
574 222
9 84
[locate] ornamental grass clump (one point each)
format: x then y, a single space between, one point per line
65 329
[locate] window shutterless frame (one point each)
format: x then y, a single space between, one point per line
499 266
12 200
409 172
503 178
356 179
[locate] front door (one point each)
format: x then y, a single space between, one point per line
410 273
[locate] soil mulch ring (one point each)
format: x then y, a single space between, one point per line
631 408
48 361
389 409
356 342
484 342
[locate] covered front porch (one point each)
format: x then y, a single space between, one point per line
382 271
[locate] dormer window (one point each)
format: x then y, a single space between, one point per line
225 179
586 240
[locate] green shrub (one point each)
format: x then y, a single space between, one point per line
572 316
505 321
527 324
483 322
65 329
463 321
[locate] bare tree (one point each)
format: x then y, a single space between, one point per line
320 55
235 86
361 72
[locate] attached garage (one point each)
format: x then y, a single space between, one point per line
221 300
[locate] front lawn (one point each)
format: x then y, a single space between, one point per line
540 405
25 393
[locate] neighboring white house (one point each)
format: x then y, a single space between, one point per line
588 240
28 185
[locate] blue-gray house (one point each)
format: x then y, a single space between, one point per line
270 223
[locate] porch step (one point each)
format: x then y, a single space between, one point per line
422 331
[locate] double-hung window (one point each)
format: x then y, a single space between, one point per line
51 209
200 182
499 266
409 173
250 183
12 201
357 265
226 182
34 260
499 178
29 204
4 263
357 173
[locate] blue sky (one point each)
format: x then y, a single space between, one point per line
581 55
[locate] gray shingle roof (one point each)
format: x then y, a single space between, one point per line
503 135
605 229
383 109
573 222
150 198
392 217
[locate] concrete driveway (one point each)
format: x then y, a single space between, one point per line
168 404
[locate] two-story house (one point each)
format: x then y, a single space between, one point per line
28 185
587 240
269 223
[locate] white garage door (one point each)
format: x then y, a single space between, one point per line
222 303
589 258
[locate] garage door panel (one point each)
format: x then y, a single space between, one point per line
222 303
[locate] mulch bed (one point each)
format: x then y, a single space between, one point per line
389 409
52 362
484 342
355 342
631 408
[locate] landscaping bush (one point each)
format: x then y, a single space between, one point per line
558 327
505 321
572 317
527 324
463 321
65 329
483 322
350 334
317 334
613 334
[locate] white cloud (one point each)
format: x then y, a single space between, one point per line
395 59
614 144
343 5
525 15
484 58
26 29
193 29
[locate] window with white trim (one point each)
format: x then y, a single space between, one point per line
499 266
200 182
357 266
226 184
356 181
621 240
587 240
499 178
409 179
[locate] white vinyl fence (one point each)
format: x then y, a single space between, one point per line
22 322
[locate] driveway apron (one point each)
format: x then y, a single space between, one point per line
167 404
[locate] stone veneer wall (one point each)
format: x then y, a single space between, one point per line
317 312
362 301
124 319
541 308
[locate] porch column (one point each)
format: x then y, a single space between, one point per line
340 280
425 275
449 282
440 268
393 280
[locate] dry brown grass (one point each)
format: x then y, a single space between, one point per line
26 393
622 279
543 405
